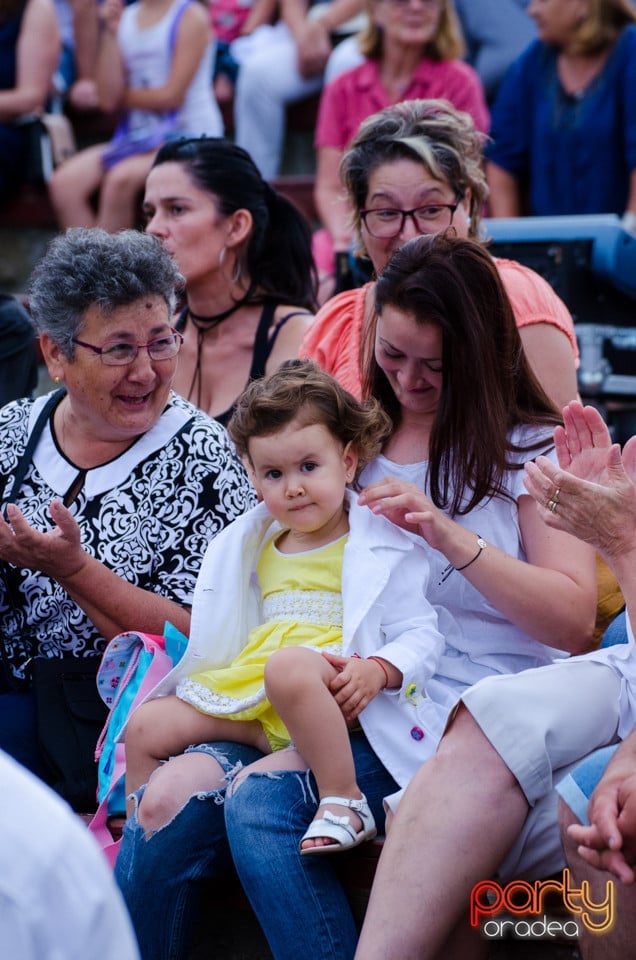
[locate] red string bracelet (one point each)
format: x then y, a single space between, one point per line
382 668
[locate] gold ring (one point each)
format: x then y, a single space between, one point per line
555 498
552 505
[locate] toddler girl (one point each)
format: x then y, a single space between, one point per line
339 596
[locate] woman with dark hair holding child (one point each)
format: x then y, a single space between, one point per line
320 582
446 362
245 253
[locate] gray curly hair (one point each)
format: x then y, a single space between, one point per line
88 266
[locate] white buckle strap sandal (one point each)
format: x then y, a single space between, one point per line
339 829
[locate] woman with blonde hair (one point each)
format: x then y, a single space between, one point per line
416 168
564 121
413 49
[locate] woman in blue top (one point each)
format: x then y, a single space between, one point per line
564 121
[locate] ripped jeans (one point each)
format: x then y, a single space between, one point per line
163 877
299 901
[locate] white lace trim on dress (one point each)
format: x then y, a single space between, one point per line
306 606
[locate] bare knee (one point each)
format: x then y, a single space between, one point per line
465 742
291 669
83 171
174 783
466 756
157 806
121 181
57 185
64 187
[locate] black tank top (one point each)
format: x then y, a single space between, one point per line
263 344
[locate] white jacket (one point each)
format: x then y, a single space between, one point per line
385 613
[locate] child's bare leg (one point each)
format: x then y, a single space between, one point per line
72 186
163 728
297 684
121 190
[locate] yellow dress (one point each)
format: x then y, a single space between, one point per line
302 606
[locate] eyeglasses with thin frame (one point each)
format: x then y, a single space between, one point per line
388 222
119 353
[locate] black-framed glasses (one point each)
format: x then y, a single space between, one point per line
119 353
388 222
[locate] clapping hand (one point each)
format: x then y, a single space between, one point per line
592 492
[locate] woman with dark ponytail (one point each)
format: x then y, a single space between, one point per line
245 254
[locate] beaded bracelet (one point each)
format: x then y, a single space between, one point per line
382 668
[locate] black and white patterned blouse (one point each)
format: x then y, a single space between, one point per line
148 515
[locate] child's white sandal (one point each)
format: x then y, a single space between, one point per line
339 829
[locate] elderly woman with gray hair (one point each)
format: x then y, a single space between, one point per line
112 486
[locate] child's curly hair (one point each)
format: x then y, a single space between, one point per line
299 389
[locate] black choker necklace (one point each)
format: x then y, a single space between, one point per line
208 323
203 324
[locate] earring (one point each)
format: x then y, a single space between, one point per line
222 256
236 271
56 379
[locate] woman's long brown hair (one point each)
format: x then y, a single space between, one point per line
488 387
